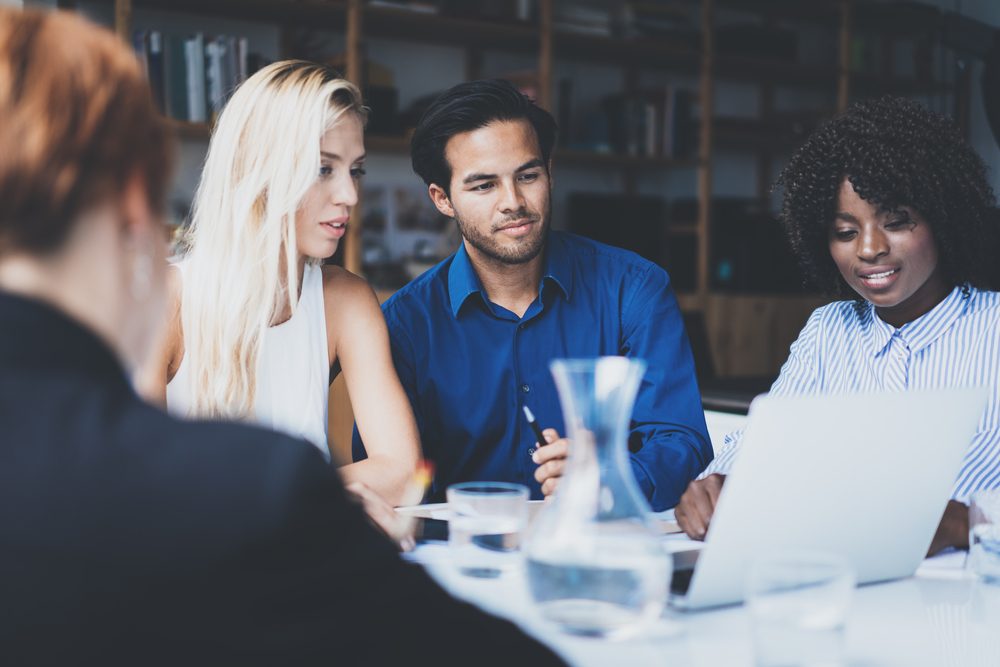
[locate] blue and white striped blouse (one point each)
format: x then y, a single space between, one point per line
843 349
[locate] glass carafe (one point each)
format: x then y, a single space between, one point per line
596 565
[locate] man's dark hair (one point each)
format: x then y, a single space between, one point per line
467 107
895 152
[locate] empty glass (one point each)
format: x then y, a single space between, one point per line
594 559
798 602
485 528
984 535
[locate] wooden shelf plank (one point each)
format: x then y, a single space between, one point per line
873 84
375 143
316 13
567 156
451 30
682 229
190 131
773 70
641 52
401 146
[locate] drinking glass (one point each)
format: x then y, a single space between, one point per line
984 535
485 528
798 602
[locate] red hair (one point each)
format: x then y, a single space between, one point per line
76 122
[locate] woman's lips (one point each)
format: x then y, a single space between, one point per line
879 279
335 229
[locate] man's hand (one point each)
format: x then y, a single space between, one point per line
953 531
398 528
695 510
551 457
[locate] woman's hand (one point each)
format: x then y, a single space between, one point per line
385 518
697 505
953 531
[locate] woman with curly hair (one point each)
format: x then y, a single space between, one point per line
891 205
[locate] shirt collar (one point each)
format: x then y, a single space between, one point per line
463 281
558 268
927 328
922 331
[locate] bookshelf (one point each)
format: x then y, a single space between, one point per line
545 42
749 333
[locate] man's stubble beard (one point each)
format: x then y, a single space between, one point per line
521 253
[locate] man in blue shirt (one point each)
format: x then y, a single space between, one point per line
472 338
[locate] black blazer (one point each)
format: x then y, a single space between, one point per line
128 537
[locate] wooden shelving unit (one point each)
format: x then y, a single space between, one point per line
359 21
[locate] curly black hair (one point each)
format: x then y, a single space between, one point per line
895 152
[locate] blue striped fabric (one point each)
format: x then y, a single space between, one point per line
846 350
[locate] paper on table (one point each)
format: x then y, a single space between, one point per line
440 511
950 563
668 527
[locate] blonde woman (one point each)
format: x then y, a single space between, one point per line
259 327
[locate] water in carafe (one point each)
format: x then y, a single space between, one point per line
594 558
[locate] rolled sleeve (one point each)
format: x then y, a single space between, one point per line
668 436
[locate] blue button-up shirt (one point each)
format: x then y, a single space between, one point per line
469 365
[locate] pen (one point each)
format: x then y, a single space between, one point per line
535 427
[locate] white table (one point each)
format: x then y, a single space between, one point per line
941 616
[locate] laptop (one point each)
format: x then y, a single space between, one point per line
863 475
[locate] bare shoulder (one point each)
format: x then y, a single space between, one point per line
341 284
348 298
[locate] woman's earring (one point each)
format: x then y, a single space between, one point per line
142 272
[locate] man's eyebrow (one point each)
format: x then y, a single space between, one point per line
531 164
472 178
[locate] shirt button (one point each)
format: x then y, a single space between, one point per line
525 388
531 450
520 327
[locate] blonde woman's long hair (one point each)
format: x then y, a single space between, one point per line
263 157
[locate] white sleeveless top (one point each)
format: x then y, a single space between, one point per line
293 388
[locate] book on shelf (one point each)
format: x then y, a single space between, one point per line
661 21
194 58
191 77
176 79
652 122
571 17
506 11
421 7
